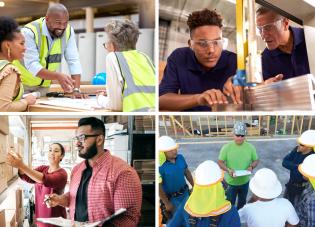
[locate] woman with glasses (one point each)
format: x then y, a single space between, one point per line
297 183
11 48
130 73
234 158
48 179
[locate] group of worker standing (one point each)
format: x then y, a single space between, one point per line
30 58
216 187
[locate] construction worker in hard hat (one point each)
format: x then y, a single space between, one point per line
265 209
207 205
296 183
306 205
238 155
173 189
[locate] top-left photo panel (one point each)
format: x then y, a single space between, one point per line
77 56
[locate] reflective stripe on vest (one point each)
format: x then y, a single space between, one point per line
4 63
139 75
49 58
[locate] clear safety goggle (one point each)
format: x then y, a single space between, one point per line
269 27
203 44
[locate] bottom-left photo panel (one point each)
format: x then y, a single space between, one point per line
77 170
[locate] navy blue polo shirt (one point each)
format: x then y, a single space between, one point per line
276 62
184 74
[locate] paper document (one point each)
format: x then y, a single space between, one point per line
68 223
85 104
239 173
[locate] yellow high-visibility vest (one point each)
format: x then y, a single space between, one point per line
139 81
48 58
4 63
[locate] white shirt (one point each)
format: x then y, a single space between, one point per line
274 213
114 85
31 56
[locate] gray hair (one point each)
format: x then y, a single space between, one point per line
123 33
263 10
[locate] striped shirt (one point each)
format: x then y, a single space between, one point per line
113 185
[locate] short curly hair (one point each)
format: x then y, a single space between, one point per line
8 27
204 17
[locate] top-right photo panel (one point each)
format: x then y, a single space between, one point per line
236 55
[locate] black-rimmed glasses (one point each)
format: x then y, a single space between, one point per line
83 137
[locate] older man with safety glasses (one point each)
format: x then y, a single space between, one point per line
234 158
285 55
194 78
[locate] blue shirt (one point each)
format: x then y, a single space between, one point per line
291 162
31 56
228 219
184 74
276 62
173 175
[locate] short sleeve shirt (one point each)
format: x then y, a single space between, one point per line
276 62
184 74
173 174
238 157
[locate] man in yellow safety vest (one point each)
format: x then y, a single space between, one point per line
47 40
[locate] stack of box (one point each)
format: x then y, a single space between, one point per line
13 206
4 131
145 169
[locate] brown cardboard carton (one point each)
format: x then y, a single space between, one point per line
3 147
4 124
2 217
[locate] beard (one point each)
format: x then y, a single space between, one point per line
90 152
57 33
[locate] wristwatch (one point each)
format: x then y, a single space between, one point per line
77 90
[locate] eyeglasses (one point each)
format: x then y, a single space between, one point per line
83 137
208 43
239 135
268 27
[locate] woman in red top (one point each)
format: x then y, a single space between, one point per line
47 180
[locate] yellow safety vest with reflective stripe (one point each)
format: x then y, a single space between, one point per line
4 63
139 81
48 58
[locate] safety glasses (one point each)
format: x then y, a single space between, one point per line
269 27
204 44
239 135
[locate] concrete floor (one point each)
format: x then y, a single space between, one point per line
271 151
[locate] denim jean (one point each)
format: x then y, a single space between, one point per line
239 191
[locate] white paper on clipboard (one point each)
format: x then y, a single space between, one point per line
69 223
240 173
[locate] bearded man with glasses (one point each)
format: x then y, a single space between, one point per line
198 76
102 184
285 55
234 156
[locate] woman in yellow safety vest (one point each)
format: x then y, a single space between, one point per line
11 48
130 81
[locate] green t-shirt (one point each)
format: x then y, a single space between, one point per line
238 157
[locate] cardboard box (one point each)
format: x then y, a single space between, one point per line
3 178
2 217
10 218
3 147
8 172
4 125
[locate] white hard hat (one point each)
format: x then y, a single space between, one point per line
307 168
265 184
208 173
166 143
307 138
239 128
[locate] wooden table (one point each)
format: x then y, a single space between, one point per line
37 107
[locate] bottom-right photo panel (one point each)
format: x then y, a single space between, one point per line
225 170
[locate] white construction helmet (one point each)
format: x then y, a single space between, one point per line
166 143
239 128
265 184
307 168
307 138
208 172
